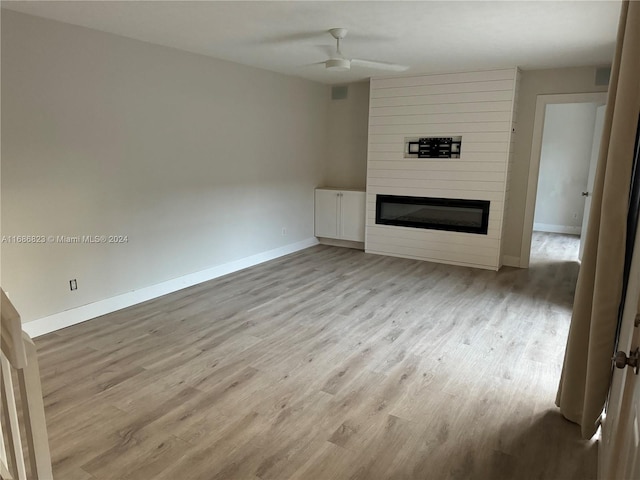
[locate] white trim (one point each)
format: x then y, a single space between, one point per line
510 261
534 161
337 242
545 227
434 260
81 314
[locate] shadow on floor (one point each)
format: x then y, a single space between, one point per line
547 447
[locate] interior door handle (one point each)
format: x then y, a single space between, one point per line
620 360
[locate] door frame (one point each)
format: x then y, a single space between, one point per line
534 161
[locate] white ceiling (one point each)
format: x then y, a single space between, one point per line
429 36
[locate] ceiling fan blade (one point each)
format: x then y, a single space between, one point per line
394 67
314 63
291 37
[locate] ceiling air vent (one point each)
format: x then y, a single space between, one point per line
602 76
339 93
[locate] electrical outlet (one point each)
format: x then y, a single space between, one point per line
284 231
73 284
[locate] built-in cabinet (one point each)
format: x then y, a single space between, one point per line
340 214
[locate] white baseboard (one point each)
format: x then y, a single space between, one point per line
341 243
433 260
510 261
545 227
81 314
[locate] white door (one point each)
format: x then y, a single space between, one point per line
618 451
352 210
595 150
628 465
327 213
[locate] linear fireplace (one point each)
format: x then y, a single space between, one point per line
456 215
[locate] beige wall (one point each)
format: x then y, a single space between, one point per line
347 138
199 162
532 84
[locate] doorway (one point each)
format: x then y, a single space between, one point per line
559 170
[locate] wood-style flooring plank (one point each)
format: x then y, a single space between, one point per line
325 364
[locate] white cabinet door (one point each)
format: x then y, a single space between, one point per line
352 214
327 211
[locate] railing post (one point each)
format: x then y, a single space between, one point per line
33 408
19 353
10 414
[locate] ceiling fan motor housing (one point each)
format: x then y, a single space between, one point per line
338 64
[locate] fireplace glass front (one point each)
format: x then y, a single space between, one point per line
456 215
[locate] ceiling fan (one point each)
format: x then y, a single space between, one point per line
338 62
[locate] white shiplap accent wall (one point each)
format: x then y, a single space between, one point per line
479 106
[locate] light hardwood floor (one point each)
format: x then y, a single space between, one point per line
326 364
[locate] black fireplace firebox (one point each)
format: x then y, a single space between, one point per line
456 215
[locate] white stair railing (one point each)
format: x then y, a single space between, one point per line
19 355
